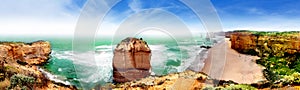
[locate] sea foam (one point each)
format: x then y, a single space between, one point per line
96 66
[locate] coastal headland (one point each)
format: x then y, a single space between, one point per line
20 66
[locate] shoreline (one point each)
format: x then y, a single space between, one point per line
238 67
53 77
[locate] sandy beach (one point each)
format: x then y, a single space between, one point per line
232 65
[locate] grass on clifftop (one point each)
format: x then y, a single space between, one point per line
231 87
271 33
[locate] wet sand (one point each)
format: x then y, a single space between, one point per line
232 65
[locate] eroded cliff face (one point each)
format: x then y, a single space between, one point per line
243 42
19 63
246 42
35 53
131 60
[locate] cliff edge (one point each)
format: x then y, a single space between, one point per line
19 66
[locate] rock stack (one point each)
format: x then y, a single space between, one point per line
131 60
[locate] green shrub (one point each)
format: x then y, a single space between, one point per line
209 88
292 79
19 80
270 75
240 87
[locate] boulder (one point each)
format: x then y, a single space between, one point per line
131 60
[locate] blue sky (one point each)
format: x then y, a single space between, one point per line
259 14
59 17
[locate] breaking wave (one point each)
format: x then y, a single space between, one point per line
96 66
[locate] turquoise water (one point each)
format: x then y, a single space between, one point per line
168 56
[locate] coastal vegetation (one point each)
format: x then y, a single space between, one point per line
21 81
279 53
232 87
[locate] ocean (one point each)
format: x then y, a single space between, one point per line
168 56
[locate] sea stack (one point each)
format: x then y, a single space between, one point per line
131 60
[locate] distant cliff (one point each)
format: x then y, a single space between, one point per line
265 43
19 63
244 42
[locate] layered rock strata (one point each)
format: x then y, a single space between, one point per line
246 42
35 53
21 60
131 60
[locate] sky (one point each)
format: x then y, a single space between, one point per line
60 17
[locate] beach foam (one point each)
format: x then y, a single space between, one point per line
96 66
55 78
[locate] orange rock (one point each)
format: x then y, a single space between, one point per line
245 41
23 58
131 60
31 53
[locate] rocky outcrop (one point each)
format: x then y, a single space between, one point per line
35 53
243 42
19 63
131 60
187 80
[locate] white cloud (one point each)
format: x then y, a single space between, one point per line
155 19
135 5
38 17
37 27
37 8
48 17
255 11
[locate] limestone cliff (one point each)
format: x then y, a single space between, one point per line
131 60
35 53
243 42
254 43
19 63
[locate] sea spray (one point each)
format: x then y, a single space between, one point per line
55 78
